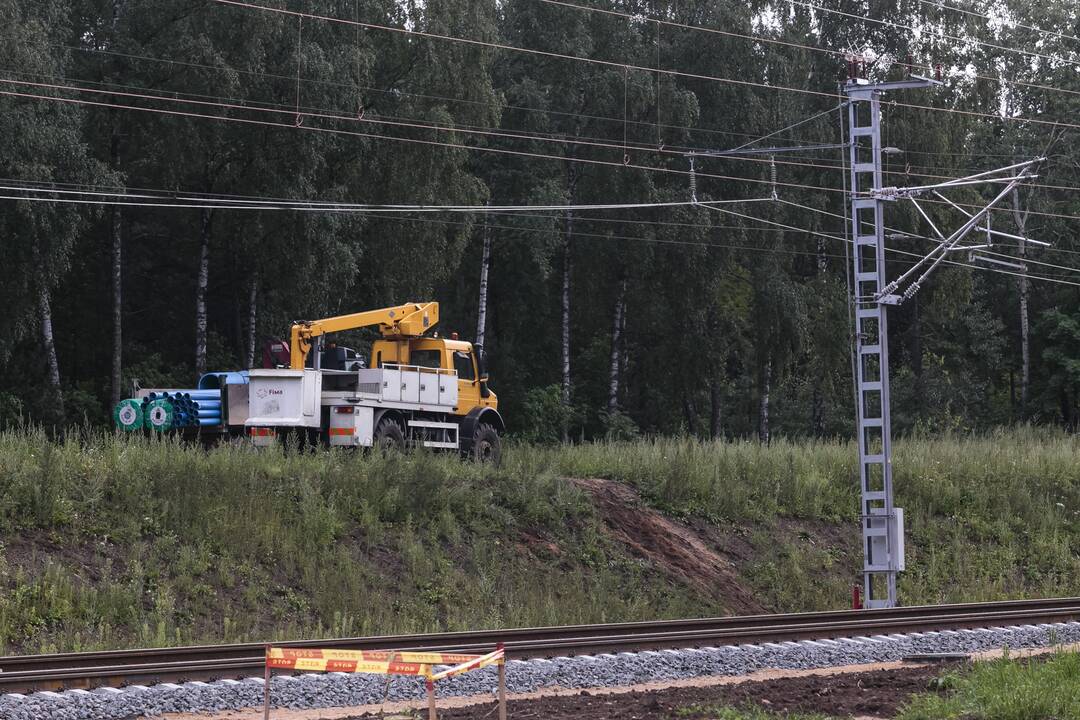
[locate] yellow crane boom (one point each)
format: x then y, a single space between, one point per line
401 321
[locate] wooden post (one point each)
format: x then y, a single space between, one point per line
266 684
432 715
502 685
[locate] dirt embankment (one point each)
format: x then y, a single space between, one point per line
675 549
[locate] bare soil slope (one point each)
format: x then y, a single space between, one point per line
675 549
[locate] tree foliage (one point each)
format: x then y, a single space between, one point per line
720 309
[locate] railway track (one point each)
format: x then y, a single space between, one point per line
31 673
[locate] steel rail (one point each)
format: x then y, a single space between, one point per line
31 673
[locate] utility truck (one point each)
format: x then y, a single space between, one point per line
416 389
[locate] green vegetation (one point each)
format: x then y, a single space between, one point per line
108 541
118 541
987 516
722 321
1005 690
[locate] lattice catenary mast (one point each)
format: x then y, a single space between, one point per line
881 521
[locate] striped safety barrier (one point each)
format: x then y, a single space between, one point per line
384 662
474 663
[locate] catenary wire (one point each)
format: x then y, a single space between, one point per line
923 237
972 13
787 43
892 250
967 41
503 151
501 46
625 66
180 200
675 149
460 100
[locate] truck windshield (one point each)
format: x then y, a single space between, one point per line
464 365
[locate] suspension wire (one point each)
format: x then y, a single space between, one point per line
513 48
473 129
712 205
832 53
241 203
613 64
1046 278
57 188
394 138
330 83
972 13
964 41
790 127
1030 261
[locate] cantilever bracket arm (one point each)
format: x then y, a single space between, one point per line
947 244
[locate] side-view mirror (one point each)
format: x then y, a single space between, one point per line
481 366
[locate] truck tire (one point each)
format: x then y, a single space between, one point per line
388 436
486 445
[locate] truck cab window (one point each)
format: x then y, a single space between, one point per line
463 363
426 358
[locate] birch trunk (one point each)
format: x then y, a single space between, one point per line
763 411
616 339
253 296
568 236
117 288
200 293
48 342
1025 346
485 264
690 413
624 353
566 317
817 412
116 379
716 431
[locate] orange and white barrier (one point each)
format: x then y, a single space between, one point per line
384 662
381 662
474 663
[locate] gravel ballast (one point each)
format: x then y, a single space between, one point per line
585 671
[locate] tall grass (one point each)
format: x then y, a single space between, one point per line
1005 689
112 540
988 516
107 540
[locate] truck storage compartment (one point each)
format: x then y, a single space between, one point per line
429 387
284 398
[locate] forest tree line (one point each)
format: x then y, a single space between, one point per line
676 318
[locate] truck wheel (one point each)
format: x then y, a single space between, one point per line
486 445
388 436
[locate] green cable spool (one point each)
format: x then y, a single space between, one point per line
128 415
159 415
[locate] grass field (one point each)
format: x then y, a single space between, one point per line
1003 689
108 541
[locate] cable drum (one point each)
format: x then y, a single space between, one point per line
159 415
128 415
